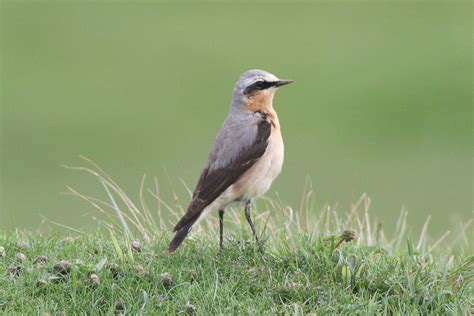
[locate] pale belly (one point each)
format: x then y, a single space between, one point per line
255 182
258 179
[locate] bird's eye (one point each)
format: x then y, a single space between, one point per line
256 86
259 84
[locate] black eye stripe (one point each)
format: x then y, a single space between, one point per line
259 85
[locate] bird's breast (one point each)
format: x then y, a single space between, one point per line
258 179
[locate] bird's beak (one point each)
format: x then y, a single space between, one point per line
280 83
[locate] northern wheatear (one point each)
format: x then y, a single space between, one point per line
246 157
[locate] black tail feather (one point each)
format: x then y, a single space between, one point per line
180 236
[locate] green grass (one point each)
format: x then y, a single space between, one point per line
303 275
303 266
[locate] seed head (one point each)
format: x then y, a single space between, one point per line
348 235
14 271
41 260
63 267
114 269
23 245
94 280
166 279
189 309
20 257
41 283
135 244
120 305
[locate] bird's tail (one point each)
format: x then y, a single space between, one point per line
180 235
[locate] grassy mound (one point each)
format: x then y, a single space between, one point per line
309 262
102 274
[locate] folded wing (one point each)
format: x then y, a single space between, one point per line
238 146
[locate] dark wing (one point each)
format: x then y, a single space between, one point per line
214 181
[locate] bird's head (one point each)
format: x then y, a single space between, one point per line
255 90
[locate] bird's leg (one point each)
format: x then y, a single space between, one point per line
248 215
221 229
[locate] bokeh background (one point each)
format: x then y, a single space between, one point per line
382 101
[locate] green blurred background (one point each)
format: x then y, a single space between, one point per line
382 101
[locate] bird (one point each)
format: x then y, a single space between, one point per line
246 157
